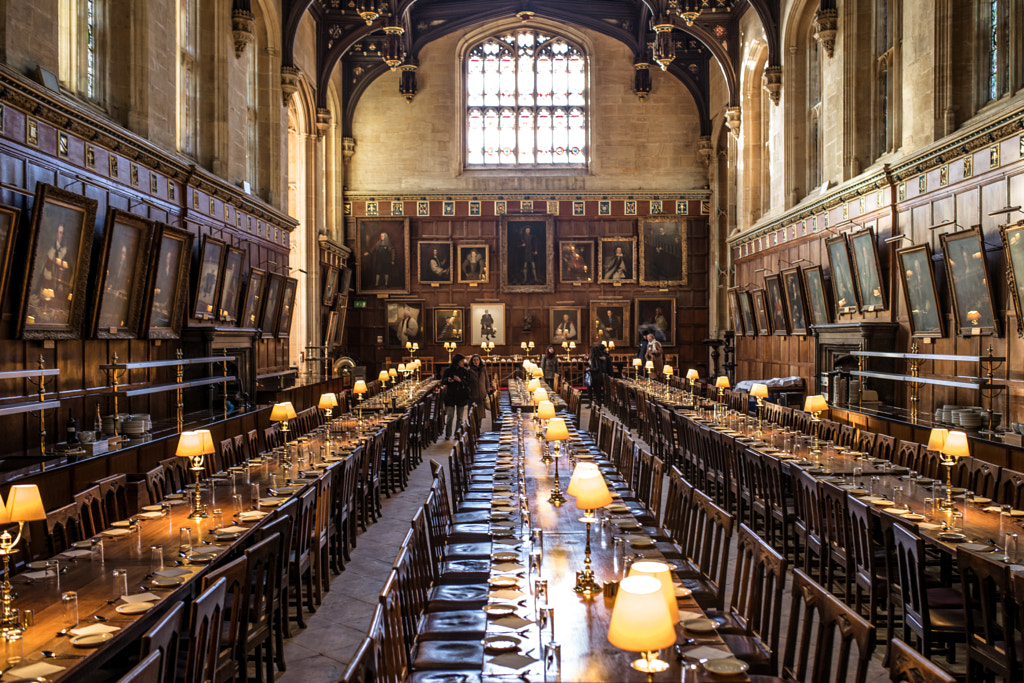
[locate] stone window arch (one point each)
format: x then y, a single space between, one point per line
887 91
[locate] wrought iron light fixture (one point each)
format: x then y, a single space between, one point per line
369 10
394 52
664 44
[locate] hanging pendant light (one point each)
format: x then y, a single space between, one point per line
393 53
368 10
407 84
689 10
641 79
664 45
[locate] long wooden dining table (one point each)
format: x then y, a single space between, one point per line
111 621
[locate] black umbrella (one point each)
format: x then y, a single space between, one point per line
659 334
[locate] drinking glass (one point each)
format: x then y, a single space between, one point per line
237 501
858 472
12 649
547 617
217 517
156 558
120 583
1010 548
540 592
535 562
553 661
185 542
254 496
97 550
69 601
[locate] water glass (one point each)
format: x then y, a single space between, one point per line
185 542
156 558
120 582
552 661
97 550
1010 548
254 496
69 601
535 562
537 536
217 517
540 592
547 618
858 472
237 501
12 649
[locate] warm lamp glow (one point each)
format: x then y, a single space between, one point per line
382 376
328 401
282 411
359 387
533 385
667 370
23 505
956 445
759 391
691 374
649 365
582 468
545 410
540 394
192 444
663 573
591 491
722 382
537 372
815 404
402 369
393 373
557 431
640 619
937 439
637 362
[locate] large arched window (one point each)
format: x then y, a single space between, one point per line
888 90
814 146
526 101
81 28
188 76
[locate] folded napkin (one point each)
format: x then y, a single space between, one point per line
140 597
507 594
38 670
705 652
39 575
230 530
173 571
928 526
513 660
94 629
508 541
76 553
513 621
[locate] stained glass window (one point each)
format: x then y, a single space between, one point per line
993 50
526 101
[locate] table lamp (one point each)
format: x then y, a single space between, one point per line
648 369
403 371
815 405
196 446
328 402
359 388
537 372
545 410
641 622
450 347
382 377
611 345
636 367
393 374
23 505
692 377
533 385
663 573
556 432
954 447
282 412
722 383
759 392
591 492
667 372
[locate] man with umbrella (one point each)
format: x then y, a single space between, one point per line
650 348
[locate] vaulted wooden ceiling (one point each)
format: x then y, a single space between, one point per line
346 41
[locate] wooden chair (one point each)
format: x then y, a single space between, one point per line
906 665
908 455
870 580
300 568
807 520
885 446
156 485
847 436
866 442
231 656
993 634
263 561
148 670
362 668
240 450
710 537
91 511
228 457
114 494
816 612
204 628
780 503
63 527
323 530
1011 489
176 472
164 639
283 526
838 552
252 444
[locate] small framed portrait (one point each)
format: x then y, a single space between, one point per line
59 245
527 250
564 324
737 315
449 325
231 285
474 263
776 305
818 312
330 320
435 262
487 323
842 275
575 261
609 322
870 284
341 308
121 287
1013 243
618 260
796 302
920 292
284 320
967 271
211 259
253 298
761 313
168 282
330 285
8 236
404 322
271 302
382 266
659 312
663 251
747 311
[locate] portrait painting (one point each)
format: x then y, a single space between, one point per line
817 301
747 310
168 282
211 258
284 319
796 302
449 324
564 323
761 313
253 298
660 313
120 286
9 217
474 263
864 251
842 274
776 305
527 251
330 286
435 262
609 322
404 322
60 242
737 315
344 281
618 260
967 272
575 261
1013 243
487 323
663 251
382 265
231 285
920 293
271 302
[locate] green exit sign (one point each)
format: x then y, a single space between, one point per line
359 304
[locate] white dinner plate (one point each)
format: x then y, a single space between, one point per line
725 666
115 532
701 625
152 508
167 580
91 640
134 607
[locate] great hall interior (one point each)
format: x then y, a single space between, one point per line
317 314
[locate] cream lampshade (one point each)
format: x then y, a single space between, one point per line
937 439
641 622
649 365
24 504
637 362
956 445
557 431
540 394
815 404
328 401
196 446
392 373
759 391
663 573
359 387
283 412
537 372
382 376
692 375
402 369
590 490
545 410
581 469
533 385
722 382
667 370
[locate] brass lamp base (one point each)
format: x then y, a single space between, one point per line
649 664
198 509
586 584
556 498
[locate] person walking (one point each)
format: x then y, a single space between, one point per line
456 383
549 366
600 366
655 354
479 382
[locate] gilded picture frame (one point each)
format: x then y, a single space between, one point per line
1013 243
287 308
231 286
449 324
764 323
487 323
9 224
272 291
796 300
609 321
249 319
382 264
737 314
565 325
659 311
747 311
970 287
818 310
527 253
434 262
921 292
121 279
330 286
167 291
474 263
843 286
576 261
776 305
867 270
663 253
617 257
208 279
